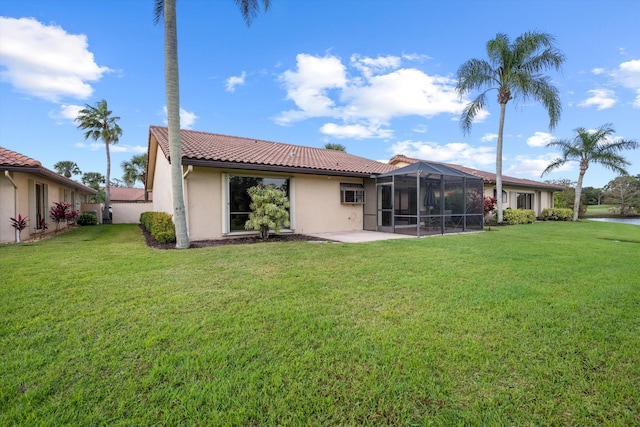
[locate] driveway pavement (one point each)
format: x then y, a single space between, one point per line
359 236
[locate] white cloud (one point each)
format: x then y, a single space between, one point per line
45 61
598 71
370 66
308 87
488 137
234 81
374 92
187 119
534 166
455 152
119 148
628 75
601 98
114 148
415 57
66 112
539 139
357 131
421 129
92 146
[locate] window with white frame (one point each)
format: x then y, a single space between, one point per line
352 194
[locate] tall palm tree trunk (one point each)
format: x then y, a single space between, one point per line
576 202
106 218
503 109
173 118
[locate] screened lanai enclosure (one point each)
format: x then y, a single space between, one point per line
429 198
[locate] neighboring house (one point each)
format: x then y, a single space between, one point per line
128 203
329 190
517 193
29 189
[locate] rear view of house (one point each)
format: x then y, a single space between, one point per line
329 190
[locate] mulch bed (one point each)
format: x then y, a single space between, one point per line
153 243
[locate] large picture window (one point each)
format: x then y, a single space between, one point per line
239 199
525 201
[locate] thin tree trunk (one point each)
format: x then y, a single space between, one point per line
173 118
576 202
503 109
106 219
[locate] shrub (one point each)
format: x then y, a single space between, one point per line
489 204
145 220
87 219
519 216
162 228
160 225
59 212
269 210
557 214
19 224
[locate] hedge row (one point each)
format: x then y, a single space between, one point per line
557 214
160 225
519 216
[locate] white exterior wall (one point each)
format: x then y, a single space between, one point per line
318 208
7 210
162 199
203 202
129 212
315 203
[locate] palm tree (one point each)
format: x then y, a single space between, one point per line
67 168
334 146
167 9
134 170
514 70
99 124
591 146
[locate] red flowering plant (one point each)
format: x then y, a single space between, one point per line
489 205
59 212
72 216
19 224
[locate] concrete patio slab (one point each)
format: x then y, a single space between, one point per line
359 236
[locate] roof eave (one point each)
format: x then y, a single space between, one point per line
272 168
51 175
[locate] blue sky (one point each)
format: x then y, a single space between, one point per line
375 76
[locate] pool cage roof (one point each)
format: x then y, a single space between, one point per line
427 168
427 198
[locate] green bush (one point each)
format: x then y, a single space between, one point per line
557 214
160 225
145 220
268 210
519 216
87 219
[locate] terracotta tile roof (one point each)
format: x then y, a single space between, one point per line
487 177
12 158
243 152
14 161
125 194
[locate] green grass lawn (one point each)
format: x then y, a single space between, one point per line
598 210
524 325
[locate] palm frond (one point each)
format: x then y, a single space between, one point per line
475 74
158 11
554 165
250 8
471 110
